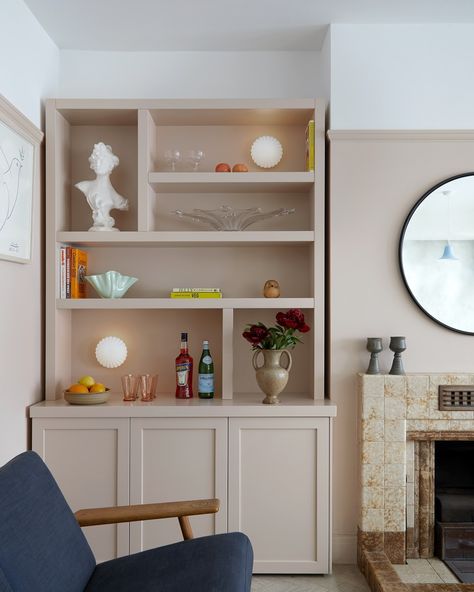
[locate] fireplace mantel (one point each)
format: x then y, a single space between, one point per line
398 414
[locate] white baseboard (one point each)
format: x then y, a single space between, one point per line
344 548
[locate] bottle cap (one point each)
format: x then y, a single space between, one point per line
205 342
184 336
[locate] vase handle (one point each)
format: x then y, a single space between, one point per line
290 359
254 359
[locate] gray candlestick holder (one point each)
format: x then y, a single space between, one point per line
374 346
398 345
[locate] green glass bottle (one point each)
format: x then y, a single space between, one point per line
206 373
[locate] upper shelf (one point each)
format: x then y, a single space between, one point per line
182 239
261 182
188 111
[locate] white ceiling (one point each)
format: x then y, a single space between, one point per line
225 25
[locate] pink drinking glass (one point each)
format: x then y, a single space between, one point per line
148 384
130 384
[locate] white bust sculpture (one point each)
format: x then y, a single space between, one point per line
100 194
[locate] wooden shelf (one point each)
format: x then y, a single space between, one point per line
188 111
185 303
259 182
176 239
166 405
154 245
234 429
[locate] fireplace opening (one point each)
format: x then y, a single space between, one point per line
454 506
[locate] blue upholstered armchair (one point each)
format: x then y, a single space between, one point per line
42 548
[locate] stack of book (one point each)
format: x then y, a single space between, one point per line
196 293
72 272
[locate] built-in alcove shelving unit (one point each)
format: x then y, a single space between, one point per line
257 459
164 251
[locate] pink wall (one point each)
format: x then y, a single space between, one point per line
375 179
29 73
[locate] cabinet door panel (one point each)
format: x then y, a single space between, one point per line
279 491
90 461
177 459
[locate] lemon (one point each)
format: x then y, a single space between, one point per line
97 388
87 381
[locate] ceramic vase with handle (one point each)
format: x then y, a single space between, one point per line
271 376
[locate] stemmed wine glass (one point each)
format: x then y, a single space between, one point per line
195 157
172 157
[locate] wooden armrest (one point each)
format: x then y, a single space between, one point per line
118 514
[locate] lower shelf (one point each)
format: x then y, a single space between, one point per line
166 405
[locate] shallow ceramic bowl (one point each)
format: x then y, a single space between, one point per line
111 284
86 398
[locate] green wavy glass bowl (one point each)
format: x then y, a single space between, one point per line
111 284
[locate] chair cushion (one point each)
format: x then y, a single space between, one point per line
42 548
4 585
219 563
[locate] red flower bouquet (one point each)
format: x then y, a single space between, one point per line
280 336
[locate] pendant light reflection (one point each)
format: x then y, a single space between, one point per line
448 253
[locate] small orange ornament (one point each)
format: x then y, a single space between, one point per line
271 289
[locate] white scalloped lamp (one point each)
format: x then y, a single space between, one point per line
111 352
266 152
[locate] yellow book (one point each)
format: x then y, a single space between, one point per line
310 145
78 273
196 290
195 295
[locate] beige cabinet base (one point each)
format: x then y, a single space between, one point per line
89 459
272 475
177 459
279 491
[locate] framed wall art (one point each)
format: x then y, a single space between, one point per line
19 182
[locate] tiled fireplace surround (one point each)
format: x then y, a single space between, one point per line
399 423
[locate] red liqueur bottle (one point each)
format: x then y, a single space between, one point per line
184 371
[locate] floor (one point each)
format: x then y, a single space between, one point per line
462 569
345 578
425 571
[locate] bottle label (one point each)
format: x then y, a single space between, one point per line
206 383
182 371
207 360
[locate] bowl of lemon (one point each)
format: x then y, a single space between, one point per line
86 391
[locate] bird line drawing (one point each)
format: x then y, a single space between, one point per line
10 172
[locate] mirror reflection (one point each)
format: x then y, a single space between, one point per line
437 253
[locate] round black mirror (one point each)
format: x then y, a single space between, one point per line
436 253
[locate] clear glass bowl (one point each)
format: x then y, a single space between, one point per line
228 218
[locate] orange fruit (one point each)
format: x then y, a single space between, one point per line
77 388
240 168
222 167
98 387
